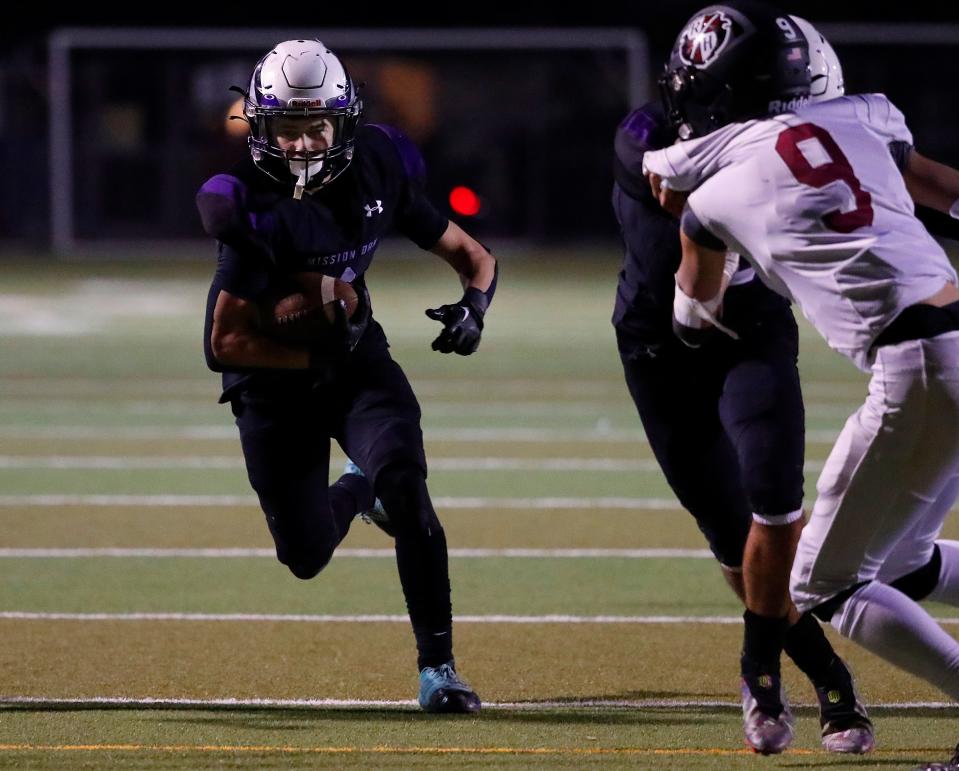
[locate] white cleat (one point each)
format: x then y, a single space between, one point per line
766 734
853 741
950 765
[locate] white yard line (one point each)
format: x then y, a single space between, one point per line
601 434
633 504
378 618
227 553
149 462
364 618
532 706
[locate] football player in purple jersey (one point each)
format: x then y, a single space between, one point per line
317 193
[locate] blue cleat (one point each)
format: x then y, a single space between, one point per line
377 514
441 690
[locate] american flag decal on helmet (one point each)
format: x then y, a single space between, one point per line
704 38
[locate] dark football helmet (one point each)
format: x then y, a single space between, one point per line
734 61
302 79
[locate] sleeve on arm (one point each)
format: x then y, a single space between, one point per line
224 212
899 150
221 203
244 275
416 218
884 117
642 131
686 165
697 232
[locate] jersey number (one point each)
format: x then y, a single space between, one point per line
837 169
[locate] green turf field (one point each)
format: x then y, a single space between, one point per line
145 623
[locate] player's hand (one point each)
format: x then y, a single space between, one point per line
347 330
671 200
462 327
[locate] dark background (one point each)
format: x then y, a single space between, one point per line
542 164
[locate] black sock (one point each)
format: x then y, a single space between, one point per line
434 648
422 560
762 643
423 565
349 495
424 575
807 646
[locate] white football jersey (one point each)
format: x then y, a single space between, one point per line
814 200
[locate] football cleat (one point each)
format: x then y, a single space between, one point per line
845 724
375 515
767 730
949 765
441 690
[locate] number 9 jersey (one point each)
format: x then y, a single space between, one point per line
823 216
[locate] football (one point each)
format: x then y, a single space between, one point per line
309 313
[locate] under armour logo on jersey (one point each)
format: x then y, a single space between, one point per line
370 210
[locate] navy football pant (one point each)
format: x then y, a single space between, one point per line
726 421
368 406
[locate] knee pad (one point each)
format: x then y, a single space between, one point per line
918 584
402 489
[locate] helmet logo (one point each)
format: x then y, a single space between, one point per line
305 103
704 38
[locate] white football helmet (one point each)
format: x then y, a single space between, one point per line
302 78
827 81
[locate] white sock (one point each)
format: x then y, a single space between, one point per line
886 622
947 590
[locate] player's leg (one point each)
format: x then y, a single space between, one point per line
894 456
922 565
762 410
287 459
381 433
675 392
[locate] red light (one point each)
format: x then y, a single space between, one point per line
464 201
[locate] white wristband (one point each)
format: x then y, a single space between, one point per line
954 210
698 314
695 314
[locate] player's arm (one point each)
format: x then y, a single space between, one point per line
477 269
237 342
931 183
222 204
700 282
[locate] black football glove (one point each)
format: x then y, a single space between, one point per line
345 332
462 327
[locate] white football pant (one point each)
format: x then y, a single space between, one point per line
883 494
